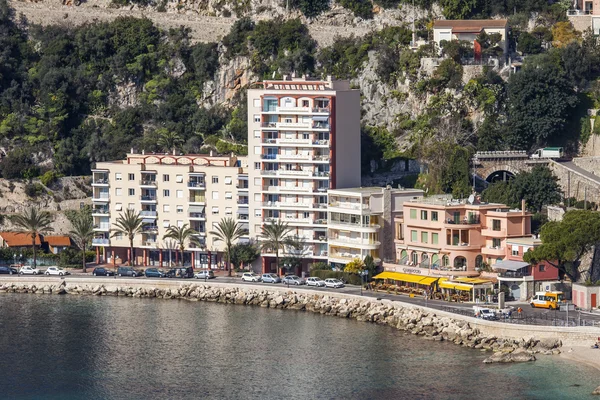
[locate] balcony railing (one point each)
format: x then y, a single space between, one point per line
242 201
575 13
463 221
149 228
103 227
196 184
100 181
197 199
148 197
513 274
100 241
147 213
104 211
197 215
354 240
350 206
149 243
148 182
100 196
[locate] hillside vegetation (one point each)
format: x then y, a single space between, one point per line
73 96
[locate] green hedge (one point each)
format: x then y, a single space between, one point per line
352 279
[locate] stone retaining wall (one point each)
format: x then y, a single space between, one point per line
509 342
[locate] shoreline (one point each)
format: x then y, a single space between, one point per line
506 343
582 355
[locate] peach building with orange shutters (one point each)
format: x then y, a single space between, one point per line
456 235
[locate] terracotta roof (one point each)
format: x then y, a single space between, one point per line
56 241
14 239
470 25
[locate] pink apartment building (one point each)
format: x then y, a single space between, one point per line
457 235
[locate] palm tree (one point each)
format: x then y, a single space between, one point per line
228 231
274 237
297 250
83 230
129 224
169 140
181 234
33 222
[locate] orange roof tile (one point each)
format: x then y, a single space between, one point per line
55 241
470 25
15 239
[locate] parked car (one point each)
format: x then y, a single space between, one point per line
154 273
205 274
293 280
333 283
180 272
28 270
270 278
56 271
101 271
484 313
128 271
7 270
250 277
315 281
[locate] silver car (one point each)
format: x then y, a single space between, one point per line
315 281
334 283
270 278
250 277
293 280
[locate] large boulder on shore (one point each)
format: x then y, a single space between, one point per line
519 355
596 391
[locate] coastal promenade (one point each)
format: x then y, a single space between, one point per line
569 336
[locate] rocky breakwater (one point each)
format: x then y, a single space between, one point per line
420 322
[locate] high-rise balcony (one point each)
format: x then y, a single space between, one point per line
100 211
149 198
101 197
148 213
102 227
100 181
148 183
199 185
100 242
197 216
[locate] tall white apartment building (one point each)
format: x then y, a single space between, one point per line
168 190
303 139
360 222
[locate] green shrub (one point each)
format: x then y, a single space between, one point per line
49 178
34 190
310 8
360 8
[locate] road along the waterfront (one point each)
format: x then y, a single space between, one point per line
574 336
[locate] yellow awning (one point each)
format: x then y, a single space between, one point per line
397 276
446 284
474 281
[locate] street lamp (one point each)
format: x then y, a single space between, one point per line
362 274
286 266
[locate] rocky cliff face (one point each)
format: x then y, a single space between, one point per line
66 193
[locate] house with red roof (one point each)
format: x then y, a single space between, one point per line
468 30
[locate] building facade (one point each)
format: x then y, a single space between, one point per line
467 30
168 190
303 139
520 278
453 235
360 222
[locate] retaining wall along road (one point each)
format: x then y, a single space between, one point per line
510 342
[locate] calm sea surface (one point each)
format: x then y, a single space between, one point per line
67 347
